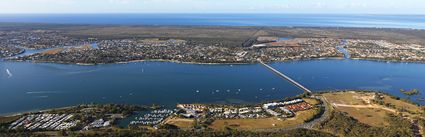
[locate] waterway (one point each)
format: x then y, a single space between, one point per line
35 86
343 50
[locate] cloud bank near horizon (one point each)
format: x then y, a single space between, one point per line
214 6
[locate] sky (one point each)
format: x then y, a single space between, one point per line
214 6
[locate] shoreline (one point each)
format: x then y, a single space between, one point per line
201 63
391 61
11 114
314 93
217 26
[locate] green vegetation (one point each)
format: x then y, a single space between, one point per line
402 105
371 116
348 97
312 101
354 114
101 108
182 123
20 134
207 133
8 119
5 132
317 114
271 123
344 125
410 93
421 123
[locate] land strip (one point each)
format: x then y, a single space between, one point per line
205 44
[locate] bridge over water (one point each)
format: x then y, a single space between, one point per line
290 80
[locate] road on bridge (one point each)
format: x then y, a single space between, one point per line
285 77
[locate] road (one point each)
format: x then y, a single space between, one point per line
285 77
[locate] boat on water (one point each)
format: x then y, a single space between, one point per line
9 73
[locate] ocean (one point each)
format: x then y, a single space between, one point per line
289 20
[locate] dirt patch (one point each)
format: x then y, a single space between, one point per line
181 122
52 51
263 123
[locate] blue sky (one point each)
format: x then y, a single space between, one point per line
214 6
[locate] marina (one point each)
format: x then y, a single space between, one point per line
152 118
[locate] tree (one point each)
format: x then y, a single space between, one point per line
168 126
410 93
63 133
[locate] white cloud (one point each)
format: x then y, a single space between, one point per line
53 1
121 1
218 6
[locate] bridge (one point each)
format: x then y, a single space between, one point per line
306 90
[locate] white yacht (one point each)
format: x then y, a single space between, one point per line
8 73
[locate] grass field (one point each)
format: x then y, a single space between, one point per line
371 116
349 98
359 106
181 122
53 51
4 120
311 101
264 123
402 104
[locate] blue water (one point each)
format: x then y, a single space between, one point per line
94 46
343 50
45 85
304 20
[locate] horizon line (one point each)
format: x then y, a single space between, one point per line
92 13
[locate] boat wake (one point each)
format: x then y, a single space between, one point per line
81 72
42 92
41 96
9 73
